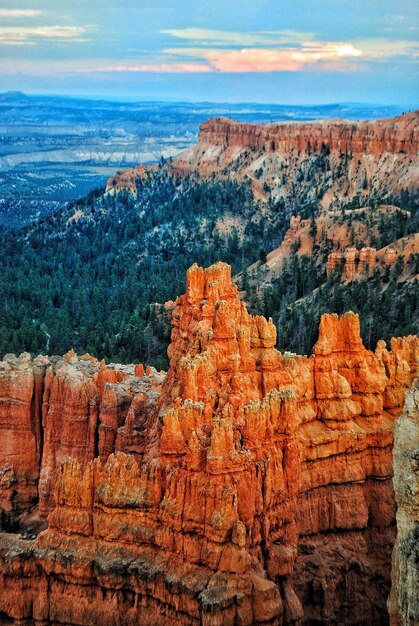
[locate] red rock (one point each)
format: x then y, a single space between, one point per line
255 488
21 390
69 420
367 260
335 261
399 134
127 180
139 370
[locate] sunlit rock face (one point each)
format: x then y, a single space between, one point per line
244 487
21 391
56 408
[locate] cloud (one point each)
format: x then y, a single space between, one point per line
281 51
376 49
205 36
160 68
274 59
48 67
29 35
208 50
17 13
334 54
281 60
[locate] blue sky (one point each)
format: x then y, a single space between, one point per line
283 51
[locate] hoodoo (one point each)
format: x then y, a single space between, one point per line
244 487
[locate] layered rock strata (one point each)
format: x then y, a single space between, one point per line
254 489
335 160
398 134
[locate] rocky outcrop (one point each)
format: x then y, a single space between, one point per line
354 264
404 598
332 236
127 180
251 488
21 439
55 408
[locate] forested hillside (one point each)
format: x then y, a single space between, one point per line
388 305
96 276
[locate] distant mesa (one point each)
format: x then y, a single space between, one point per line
14 95
340 159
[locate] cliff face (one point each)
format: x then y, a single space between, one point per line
21 391
250 488
52 409
332 160
398 134
403 603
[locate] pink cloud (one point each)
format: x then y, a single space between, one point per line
284 60
326 56
253 60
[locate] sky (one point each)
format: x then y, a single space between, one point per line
273 51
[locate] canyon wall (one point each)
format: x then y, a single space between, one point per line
246 487
399 135
331 161
55 408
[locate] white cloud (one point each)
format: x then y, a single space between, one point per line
377 49
29 35
17 13
205 36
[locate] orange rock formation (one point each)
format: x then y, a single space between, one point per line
52 409
251 488
126 180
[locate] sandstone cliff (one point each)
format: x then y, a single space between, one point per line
404 599
52 409
251 487
330 160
